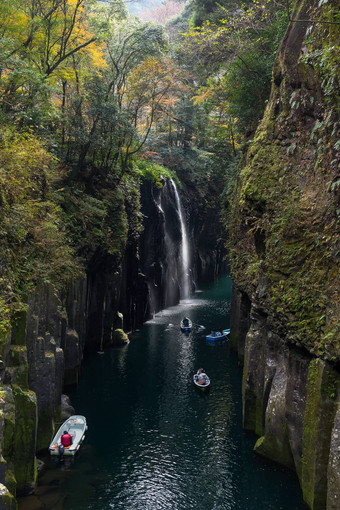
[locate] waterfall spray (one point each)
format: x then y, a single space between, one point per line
185 254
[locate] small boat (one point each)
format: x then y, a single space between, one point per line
74 425
202 385
217 336
186 325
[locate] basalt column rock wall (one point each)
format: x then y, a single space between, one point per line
209 255
291 401
284 252
41 355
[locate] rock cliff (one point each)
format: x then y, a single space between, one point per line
284 249
42 350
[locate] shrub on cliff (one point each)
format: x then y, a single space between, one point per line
33 243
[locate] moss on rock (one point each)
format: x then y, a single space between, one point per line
322 387
9 427
120 338
24 439
19 326
270 447
19 365
7 500
10 481
45 429
252 387
284 226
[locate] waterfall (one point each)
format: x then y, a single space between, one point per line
164 247
185 253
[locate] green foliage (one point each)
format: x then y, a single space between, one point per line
33 244
238 47
151 171
94 222
322 50
101 123
64 75
247 86
37 41
5 318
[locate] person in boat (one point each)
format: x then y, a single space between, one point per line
213 333
220 331
201 376
186 322
66 439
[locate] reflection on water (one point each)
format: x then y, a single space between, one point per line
154 441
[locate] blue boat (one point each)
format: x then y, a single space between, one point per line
186 325
217 336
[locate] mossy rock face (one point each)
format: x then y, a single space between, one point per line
9 425
284 226
19 327
275 443
24 440
333 472
45 429
11 482
321 405
253 382
120 338
7 500
5 337
270 447
284 231
18 365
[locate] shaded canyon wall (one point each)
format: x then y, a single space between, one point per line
284 252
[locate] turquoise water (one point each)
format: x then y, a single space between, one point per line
154 441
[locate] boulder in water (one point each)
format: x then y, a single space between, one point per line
119 338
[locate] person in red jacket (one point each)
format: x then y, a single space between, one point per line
66 439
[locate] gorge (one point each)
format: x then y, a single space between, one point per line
130 178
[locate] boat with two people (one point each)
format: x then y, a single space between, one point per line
201 379
186 325
218 336
69 437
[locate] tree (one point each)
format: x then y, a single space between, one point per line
236 51
39 38
101 125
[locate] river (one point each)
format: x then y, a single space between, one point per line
155 442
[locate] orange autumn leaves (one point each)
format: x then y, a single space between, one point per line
154 87
40 38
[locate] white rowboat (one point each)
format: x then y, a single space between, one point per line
74 425
199 384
